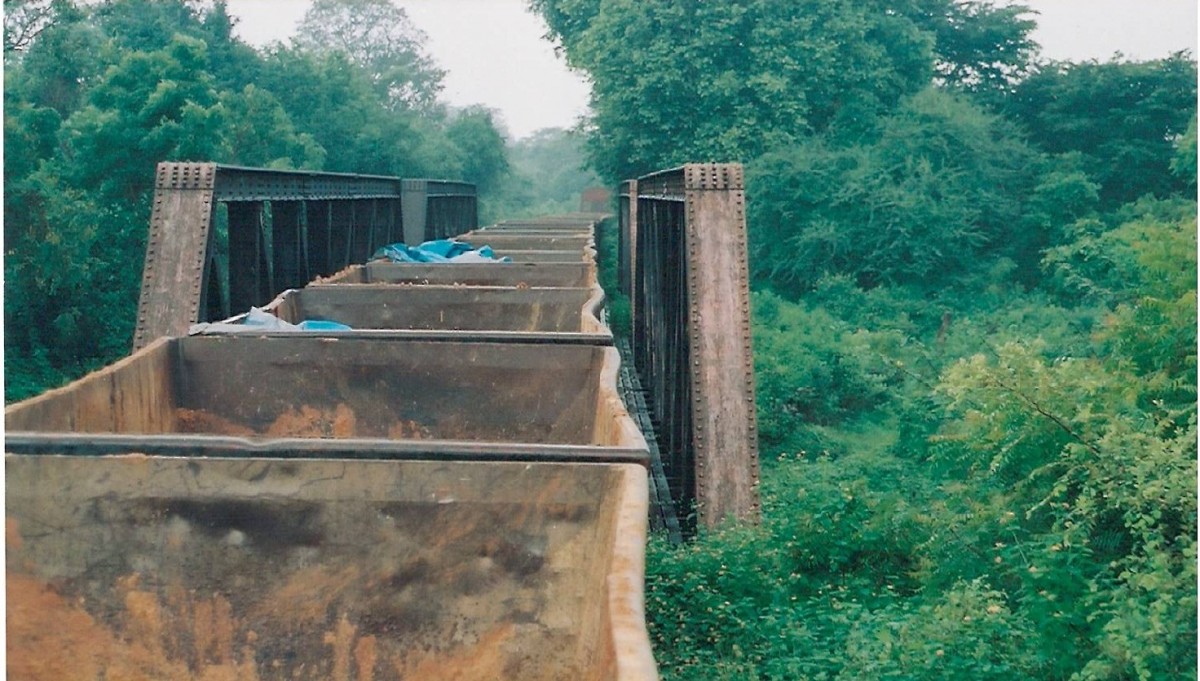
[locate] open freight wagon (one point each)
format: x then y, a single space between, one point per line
329 508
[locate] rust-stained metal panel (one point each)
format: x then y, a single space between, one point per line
447 308
346 388
473 274
528 242
187 568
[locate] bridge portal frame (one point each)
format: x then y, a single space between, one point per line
689 287
280 229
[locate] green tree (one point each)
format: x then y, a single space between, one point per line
58 67
484 156
24 21
75 233
940 186
379 38
680 81
981 48
260 133
674 82
151 106
1122 118
554 161
328 97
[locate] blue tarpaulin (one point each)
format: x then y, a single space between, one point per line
441 250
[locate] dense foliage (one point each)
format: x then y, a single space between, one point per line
97 93
975 337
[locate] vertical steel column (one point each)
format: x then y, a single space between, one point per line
414 197
437 218
320 254
395 221
287 233
381 224
623 246
471 212
216 303
364 230
177 251
627 248
725 430
247 271
341 233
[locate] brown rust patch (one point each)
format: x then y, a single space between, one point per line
484 660
304 600
43 626
408 430
343 422
365 657
12 534
201 421
303 422
341 639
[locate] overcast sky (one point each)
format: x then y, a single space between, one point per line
494 53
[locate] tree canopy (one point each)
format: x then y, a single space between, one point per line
379 38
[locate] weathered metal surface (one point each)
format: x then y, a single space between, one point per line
414 204
177 251
437 209
306 387
725 434
470 274
528 242
178 568
539 230
692 335
236 183
566 221
448 308
626 235
547 256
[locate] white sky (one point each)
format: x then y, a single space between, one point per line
494 53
